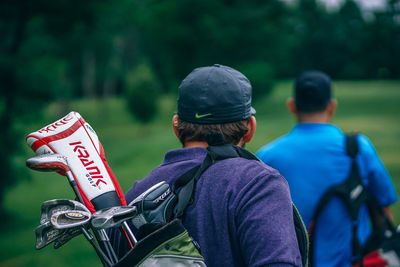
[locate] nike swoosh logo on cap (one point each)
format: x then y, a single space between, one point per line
197 116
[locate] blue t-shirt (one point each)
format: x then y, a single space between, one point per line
312 157
242 211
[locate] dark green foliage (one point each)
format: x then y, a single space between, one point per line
181 35
61 50
261 76
142 93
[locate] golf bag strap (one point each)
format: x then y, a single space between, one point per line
351 192
218 152
186 182
352 145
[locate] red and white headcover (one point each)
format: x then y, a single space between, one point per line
75 139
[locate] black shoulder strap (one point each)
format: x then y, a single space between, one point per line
352 192
352 145
187 182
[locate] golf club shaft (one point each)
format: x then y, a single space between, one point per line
104 259
107 245
129 232
102 234
74 186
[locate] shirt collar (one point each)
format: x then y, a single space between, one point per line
312 126
183 154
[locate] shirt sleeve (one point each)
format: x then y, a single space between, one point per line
374 173
264 219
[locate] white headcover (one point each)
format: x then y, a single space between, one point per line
75 139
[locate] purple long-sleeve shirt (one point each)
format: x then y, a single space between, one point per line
242 211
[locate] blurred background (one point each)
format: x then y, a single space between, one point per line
119 63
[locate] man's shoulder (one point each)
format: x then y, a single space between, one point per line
249 171
275 145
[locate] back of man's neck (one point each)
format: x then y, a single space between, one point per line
191 144
314 117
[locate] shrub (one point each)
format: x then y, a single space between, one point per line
142 92
260 75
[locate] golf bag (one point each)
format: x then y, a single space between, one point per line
382 249
73 138
163 240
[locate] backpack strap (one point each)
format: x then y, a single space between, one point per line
187 182
352 145
352 193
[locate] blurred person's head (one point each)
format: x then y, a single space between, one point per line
312 100
214 100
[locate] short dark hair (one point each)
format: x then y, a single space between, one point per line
312 91
232 132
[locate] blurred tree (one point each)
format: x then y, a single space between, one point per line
260 75
68 48
35 67
142 93
329 40
13 19
181 35
381 43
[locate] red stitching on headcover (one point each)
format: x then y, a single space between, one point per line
64 134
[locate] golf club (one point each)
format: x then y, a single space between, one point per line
53 206
67 235
71 219
59 163
46 234
114 216
63 232
154 205
54 162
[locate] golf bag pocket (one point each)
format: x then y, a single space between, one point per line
73 138
382 249
169 245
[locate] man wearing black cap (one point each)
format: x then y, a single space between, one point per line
312 157
242 212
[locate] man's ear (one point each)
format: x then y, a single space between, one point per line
291 105
175 125
331 107
251 129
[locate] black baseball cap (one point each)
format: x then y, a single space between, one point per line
312 91
215 94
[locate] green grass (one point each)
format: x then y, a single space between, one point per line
133 150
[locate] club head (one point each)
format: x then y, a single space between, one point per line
46 234
70 219
50 207
67 236
155 205
156 190
48 162
111 217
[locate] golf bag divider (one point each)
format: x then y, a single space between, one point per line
74 138
382 248
171 233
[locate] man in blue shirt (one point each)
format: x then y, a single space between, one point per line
242 211
312 157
